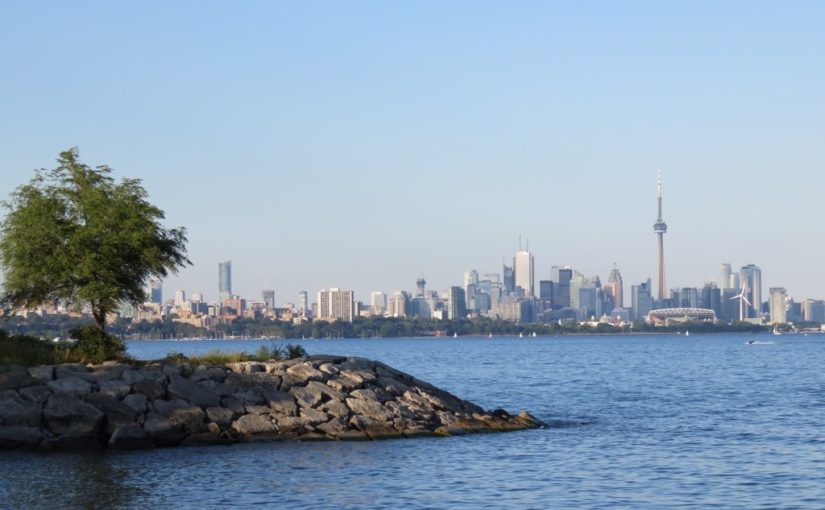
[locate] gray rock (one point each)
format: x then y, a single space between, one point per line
360 376
109 372
15 411
282 403
343 384
180 412
163 430
313 416
292 426
117 413
327 391
328 368
133 376
306 397
289 381
249 397
203 373
334 427
251 424
305 372
355 363
71 385
392 386
276 367
258 410
336 409
234 405
37 394
43 373
74 370
220 415
138 402
191 392
129 437
150 388
374 429
16 435
16 380
71 418
378 395
171 370
115 388
369 409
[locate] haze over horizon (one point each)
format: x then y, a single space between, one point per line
363 145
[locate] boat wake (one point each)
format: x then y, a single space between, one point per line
758 342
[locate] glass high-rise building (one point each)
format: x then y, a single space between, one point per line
523 272
224 280
750 278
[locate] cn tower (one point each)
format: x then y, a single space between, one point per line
660 227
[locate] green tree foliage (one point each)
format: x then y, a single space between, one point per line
74 235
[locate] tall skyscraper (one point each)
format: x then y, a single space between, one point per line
509 279
523 272
724 277
641 299
561 276
456 306
615 289
180 297
268 297
779 305
420 287
660 227
471 288
155 291
750 278
224 280
378 302
302 302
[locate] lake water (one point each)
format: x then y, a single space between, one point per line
704 421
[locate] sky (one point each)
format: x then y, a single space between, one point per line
363 144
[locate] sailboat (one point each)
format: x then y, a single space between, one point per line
776 331
455 335
534 334
521 335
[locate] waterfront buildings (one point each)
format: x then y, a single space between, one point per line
378 303
268 297
155 291
751 281
614 288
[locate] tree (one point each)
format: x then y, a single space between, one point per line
74 235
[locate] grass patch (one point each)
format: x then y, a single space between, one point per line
91 346
264 353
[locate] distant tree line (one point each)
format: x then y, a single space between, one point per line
52 326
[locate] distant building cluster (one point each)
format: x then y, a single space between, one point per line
512 294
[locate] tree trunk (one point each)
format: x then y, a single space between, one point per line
100 317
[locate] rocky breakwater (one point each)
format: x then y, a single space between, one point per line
165 404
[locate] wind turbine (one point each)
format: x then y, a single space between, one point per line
742 300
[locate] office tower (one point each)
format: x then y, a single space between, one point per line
689 297
335 304
378 302
641 300
562 276
660 227
734 281
813 310
546 290
456 305
712 298
420 287
196 297
729 305
180 297
614 288
268 297
524 276
224 280
471 288
398 304
724 277
779 305
509 279
750 277
302 303
155 291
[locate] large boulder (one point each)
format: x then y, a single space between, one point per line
253 424
180 388
71 385
16 380
16 411
70 418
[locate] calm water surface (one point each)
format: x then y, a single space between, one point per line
635 422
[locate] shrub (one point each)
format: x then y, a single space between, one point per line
93 345
30 351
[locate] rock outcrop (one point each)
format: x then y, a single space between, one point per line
119 405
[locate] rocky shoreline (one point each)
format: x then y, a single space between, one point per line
117 405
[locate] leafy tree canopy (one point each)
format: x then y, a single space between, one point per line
74 235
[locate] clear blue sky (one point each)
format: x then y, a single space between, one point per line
361 144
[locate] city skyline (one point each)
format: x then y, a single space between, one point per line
337 147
